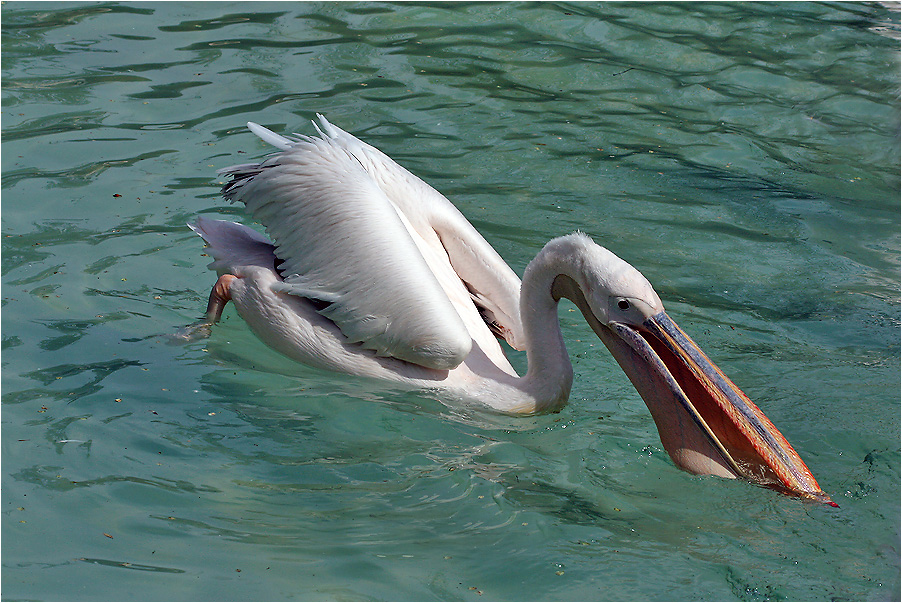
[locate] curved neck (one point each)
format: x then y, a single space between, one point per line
549 374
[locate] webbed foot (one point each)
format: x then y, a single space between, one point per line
219 297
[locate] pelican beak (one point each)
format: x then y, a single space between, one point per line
706 423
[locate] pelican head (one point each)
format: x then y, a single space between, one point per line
707 424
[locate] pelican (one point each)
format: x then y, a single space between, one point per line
369 271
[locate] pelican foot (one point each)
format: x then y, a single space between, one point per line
219 297
198 330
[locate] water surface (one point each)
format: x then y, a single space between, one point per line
745 157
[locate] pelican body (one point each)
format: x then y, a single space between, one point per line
369 271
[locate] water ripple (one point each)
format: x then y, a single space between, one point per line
744 156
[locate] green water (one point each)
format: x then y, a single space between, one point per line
745 157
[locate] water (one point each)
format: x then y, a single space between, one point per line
745 157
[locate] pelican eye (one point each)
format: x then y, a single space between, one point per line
623 304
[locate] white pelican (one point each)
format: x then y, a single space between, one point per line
372 272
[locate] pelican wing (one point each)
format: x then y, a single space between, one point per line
342 240
493 286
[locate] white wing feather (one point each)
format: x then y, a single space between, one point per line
342 241
359 231
495 287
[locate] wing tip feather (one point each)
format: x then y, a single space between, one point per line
270 137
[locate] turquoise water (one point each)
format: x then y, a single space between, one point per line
745 157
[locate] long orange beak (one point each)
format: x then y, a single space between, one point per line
706 423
